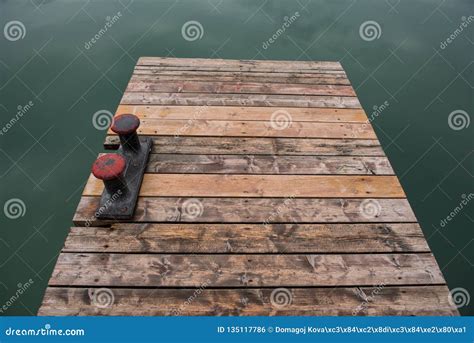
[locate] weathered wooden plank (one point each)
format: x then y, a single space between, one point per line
297 186
216 87
246 69
256 210
301 114
199 99
235 270
260 146
269 128
230 66
373 301
268 164
294 66
225 70
250 238
174 75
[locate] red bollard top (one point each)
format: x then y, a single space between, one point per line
108 166
125 124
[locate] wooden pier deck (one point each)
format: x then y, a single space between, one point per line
266 193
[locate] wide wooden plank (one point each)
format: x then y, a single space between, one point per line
250 238
380 300
192 75
267 164
260 146
269 128
330 115
256 210
247 69
219 62
267 66
216 87
296 186
199 99
235 270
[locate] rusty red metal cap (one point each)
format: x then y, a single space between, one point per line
108 166
125 124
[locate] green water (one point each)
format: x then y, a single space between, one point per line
46 154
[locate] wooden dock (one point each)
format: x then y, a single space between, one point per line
266 193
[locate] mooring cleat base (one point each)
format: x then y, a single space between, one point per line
121 204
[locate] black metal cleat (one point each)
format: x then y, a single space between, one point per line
120 195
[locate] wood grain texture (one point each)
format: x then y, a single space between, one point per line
268 164
295 66
200 99
269 128
256 210
229 113
246 69
216 87
236 270
250 238
193 75
296 186
388 301
260 146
